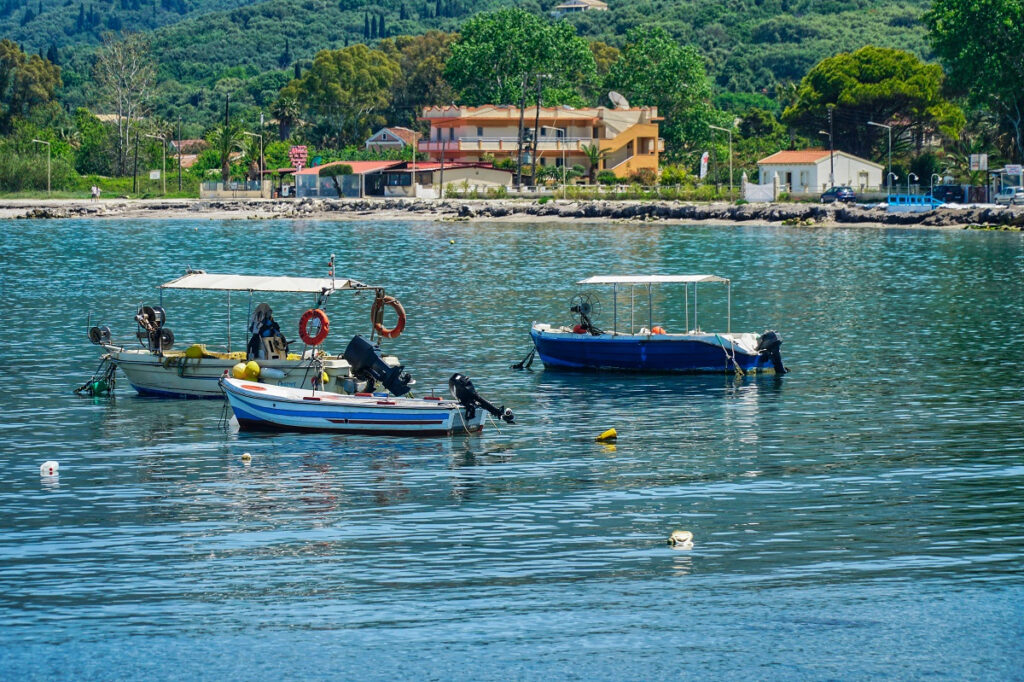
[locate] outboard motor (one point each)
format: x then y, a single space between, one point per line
367 364
769 345
463 391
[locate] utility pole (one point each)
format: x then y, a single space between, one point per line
135 170
727 130
179 154
519 142
831 161
536 131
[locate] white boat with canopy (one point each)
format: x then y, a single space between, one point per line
649 347
157 368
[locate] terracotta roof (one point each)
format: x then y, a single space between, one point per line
358 167
408 136
796 156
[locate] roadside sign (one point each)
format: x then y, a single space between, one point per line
154 175
979 162
1013 169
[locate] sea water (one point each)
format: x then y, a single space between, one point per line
859 518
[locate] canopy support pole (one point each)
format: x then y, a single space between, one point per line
650 308
615 308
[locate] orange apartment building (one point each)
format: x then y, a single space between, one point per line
628 136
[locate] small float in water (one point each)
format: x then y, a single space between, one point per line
651 348
264 407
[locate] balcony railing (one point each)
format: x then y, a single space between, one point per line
491 144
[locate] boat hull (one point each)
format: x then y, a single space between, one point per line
697 353
275 408
191 378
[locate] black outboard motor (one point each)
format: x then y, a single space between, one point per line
769 345
463 391
368 365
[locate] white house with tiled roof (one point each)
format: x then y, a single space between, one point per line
809 170
395 137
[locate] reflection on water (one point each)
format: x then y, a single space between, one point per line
860 492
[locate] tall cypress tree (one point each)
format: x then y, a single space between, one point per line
366 26
381 31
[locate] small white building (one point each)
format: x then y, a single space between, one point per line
395 137
807 170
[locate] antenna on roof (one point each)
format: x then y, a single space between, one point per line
618 100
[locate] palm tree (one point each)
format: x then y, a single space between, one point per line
226 139
595 155
286 110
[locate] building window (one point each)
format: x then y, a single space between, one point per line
451 133
596 135
479 131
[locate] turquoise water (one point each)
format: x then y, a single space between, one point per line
860 518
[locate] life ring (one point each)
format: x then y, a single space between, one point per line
325 326
377 316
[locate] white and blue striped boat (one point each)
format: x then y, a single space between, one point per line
259 406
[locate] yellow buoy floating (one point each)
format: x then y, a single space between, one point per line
610 434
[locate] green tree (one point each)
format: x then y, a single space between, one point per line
654 70
343 92
225 140
333 172
500 55
872 84
26 82
421 81
95 145
286 110
982 44
595 155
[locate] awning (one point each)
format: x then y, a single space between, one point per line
652 279
213 282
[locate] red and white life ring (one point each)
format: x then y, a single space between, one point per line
377 316
304 321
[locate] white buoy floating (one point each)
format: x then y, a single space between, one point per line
681 539
49 468
246 457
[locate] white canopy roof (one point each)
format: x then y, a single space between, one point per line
214 282
651 279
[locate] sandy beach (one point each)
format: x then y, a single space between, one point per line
513 210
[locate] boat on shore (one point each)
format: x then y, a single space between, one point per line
912 203
262 407
651 348
157 369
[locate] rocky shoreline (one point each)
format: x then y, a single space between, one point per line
515 210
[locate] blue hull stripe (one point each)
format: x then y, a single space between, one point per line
376 415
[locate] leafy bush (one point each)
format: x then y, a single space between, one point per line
607 177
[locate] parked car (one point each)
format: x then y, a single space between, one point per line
1011 196
950 194
833 194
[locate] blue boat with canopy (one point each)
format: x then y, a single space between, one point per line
650 348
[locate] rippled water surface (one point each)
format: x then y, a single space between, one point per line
860 518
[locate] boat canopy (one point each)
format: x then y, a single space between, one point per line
651 279
214 282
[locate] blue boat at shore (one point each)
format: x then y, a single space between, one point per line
651 348
912 203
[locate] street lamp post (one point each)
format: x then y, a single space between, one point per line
889 179
831 163
259 135
909 176
726 130
163 160
47 164
889 128
931 190
561 143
